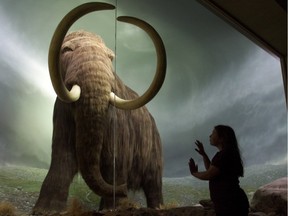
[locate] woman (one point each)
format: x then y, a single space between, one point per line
223 173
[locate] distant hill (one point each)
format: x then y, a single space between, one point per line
190 190
254 176
259 175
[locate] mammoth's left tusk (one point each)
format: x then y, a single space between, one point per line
160 70
55 46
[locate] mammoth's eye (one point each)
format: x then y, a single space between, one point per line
66 49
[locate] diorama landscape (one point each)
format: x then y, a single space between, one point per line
20 186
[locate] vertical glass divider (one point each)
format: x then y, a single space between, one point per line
115 114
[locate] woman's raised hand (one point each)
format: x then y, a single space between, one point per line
200 149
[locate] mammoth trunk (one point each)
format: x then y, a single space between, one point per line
91 111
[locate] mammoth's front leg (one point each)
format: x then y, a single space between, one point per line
55 188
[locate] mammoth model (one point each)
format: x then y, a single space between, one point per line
91 124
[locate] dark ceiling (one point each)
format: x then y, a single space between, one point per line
264 22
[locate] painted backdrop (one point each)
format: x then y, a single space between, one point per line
215 75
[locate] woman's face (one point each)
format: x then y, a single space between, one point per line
215 139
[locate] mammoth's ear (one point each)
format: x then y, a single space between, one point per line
110 54
67 47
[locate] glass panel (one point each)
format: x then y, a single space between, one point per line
215 75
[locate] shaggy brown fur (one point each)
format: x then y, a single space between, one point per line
7 209
84 133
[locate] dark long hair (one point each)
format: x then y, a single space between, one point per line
230 146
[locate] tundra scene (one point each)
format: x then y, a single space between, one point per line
143 108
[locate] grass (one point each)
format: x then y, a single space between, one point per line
21 178
16 179
29 180
183 195
80 191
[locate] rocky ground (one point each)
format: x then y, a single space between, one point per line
20 203
21 200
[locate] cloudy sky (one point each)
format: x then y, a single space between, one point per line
215 75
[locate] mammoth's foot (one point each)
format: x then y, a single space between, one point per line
48 207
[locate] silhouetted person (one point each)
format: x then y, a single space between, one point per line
223 173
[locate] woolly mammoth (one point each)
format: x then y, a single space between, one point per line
97 117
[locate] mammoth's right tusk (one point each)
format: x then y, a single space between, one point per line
160 70
75 92
55 46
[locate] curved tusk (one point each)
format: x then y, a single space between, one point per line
160 70
55 46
